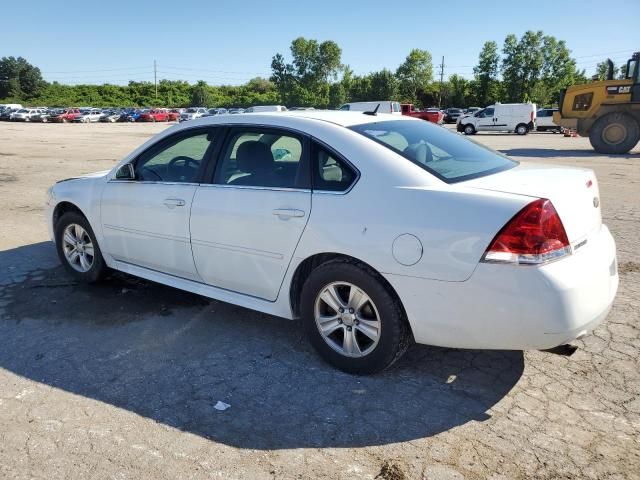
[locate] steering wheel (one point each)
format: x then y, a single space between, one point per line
180 171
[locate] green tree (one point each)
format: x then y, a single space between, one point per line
383 85
458 90
305 81
487 85
415 74
19 79
200 94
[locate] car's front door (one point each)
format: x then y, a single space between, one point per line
246 224
145 221
486 120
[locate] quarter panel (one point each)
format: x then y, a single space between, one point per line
454 225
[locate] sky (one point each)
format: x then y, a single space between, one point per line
229 42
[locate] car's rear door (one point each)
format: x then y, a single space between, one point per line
246 223
145 221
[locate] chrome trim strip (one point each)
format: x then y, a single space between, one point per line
145 182
144 233
248 187
234 248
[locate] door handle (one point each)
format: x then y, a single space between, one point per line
288 212
174 202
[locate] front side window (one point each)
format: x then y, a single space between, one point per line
438 151
262 159
488 112
177 160
330 173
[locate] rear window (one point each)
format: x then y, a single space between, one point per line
444 154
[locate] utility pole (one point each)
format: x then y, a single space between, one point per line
441 80
155 78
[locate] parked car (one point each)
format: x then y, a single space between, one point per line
5 114
45 115
66 115
25 114
452 114
192 113
235 111
501 117
510 256
266 108
155 115
88 116
431 115
110 116
379 106
544 120
133 115
174 115
215 111
471 110
12 106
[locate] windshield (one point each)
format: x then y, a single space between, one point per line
191 110
438 151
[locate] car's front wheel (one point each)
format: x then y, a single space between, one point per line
352 319
469 129
78 249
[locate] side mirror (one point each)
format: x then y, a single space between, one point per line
126 172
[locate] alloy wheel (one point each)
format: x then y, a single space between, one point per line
78 248
347 319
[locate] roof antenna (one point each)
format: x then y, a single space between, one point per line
374 112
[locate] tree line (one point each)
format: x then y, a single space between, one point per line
534 67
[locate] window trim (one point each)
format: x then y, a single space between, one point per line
232 130
340 157
163 142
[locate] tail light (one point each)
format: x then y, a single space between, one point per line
535 235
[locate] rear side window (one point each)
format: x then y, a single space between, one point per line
442 153
330 173
255 158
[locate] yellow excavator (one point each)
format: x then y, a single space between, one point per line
608 111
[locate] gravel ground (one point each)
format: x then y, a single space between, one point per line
120 380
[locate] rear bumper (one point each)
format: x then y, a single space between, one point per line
515 307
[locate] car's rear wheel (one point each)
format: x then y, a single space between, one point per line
78 248
352 319
469 129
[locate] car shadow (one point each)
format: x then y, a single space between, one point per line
171 356
553 152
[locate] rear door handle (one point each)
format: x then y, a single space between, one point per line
288 212
174 202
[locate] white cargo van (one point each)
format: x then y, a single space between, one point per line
500 117
386 106
12 106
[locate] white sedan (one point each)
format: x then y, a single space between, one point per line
374 230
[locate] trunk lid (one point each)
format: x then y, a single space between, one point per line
573 191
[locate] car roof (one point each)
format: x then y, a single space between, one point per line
337 117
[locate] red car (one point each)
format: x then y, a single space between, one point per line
174 115
155 115
66 116
431 115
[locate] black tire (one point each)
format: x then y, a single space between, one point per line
469 129
394 336
98 268
614 133
541 129
522 129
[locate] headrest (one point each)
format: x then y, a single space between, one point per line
254 156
